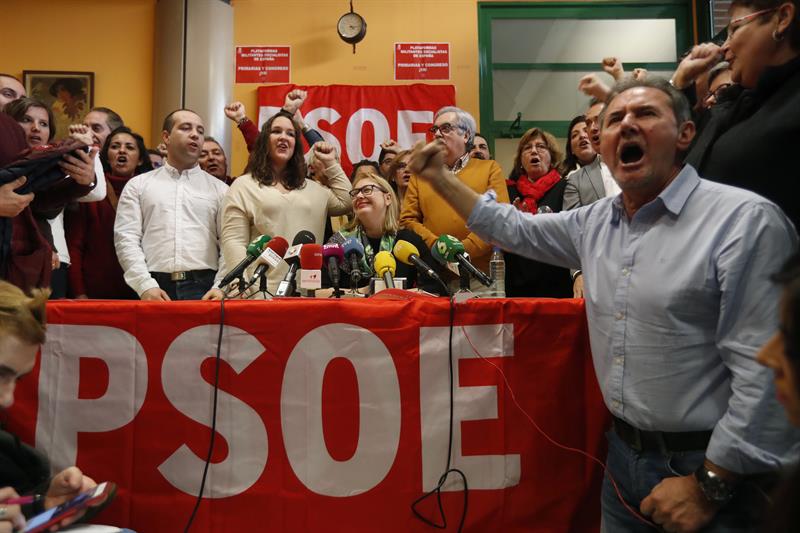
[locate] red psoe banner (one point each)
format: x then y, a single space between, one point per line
357 119
422 61
333 415
263 64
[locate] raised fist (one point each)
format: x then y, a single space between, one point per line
700 59
235 111
82 133
391 146
325 153
613 66
592 85
427 160
294 100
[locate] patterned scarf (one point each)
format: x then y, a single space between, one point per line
387 244
533 191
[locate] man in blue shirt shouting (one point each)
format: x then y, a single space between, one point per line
678 299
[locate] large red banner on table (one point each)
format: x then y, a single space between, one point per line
357 119
332 415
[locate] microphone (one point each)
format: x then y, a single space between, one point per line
407 253
453 250
311 267
271 256
385 266
354 251
253 251
333 254
292 258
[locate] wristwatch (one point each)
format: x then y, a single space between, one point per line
716 489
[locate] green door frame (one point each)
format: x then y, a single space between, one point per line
679 10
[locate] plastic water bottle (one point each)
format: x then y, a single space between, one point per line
497 271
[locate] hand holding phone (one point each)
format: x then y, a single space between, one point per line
99 496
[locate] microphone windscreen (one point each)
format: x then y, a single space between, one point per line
279 245
311 257
384 261
255 248
351 246
333 250
437 255
449 247
304 237
403 250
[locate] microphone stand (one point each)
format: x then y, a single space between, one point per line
464 278
262 285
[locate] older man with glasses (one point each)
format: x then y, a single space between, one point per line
426 213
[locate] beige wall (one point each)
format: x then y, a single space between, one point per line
320 58
112 38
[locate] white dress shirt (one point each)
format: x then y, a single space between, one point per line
609 183
168 221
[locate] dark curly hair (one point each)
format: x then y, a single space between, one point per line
260 164
141 168
571 160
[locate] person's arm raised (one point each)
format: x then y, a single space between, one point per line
427 162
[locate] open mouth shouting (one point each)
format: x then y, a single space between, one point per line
35 140
535 162
630 154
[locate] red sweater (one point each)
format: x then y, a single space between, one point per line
95 270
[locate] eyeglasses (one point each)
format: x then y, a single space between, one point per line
539 147
366 190
716 92
444 128
737 23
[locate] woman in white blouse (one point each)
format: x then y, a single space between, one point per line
274 197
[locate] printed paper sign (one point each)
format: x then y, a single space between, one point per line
263 64
422 61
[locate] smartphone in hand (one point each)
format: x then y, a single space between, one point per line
100 496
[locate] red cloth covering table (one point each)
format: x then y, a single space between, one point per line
333 414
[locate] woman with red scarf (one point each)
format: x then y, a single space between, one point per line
536 186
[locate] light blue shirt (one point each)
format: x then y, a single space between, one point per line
679 300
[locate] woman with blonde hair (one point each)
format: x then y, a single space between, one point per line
375 225
22 468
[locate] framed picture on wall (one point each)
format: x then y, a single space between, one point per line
69 94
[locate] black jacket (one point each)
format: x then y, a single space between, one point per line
752 142
528 278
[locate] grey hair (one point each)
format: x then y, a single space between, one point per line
680 105
464 120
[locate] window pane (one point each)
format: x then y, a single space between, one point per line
542 94
583 40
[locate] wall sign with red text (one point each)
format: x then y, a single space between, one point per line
422 61
333 414
263 64
356 119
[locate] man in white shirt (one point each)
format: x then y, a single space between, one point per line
167 228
